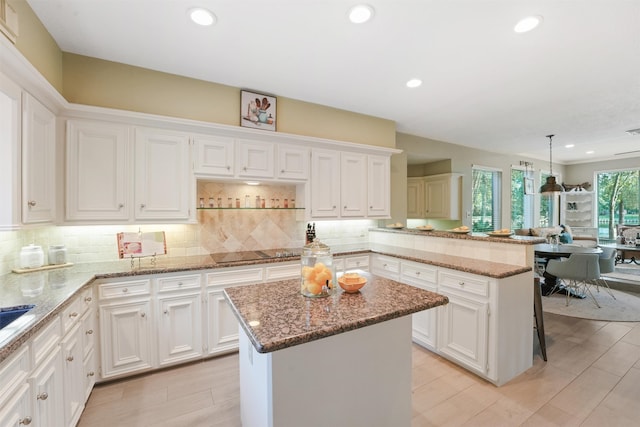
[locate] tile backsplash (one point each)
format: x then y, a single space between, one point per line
217 230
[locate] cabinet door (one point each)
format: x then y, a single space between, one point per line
415 198
88 332
293 163
90 373
325 184
17 411
223 325
378 186
214 155
163 183
353 185
98 171
436 197
463 332
73 378
38 162
179 328
255 159
10 149
125 337
47 390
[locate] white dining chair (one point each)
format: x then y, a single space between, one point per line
577 273
607 264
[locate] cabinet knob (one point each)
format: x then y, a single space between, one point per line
125 290
417 273
87 299
370 207
31 203
143 314
244 168
166 312
72 315
228 168
384 265
90 374
42 396
89 332
461 283
334 207
121 205
25 421
281 170
142 205
70 359
345 206
179 284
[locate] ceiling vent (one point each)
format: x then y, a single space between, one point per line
633 131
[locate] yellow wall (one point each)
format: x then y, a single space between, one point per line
37 45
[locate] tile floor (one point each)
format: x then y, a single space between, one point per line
592 378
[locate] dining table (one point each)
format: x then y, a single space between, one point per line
549 251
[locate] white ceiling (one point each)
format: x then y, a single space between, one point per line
485 86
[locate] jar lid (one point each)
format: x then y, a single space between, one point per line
31 248
316 247
56 246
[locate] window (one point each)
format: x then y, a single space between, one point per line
486 199
521 203
618 200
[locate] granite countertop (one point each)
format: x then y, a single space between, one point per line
52 290
277 315
514 239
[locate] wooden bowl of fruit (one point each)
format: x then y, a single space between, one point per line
351 282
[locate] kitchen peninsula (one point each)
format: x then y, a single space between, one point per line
347 356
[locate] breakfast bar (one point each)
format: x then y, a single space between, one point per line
343 360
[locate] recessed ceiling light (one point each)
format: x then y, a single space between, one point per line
527 24
590 152
360 13
414 83
202 16
569 146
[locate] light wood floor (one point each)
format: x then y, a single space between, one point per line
592 378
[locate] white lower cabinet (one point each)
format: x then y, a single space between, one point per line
47 390
17 410
424 323
385 266
179 328
125 337
73 380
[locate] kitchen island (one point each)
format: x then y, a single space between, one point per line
344 360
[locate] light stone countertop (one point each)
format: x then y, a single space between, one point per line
52 290
276 316
513 239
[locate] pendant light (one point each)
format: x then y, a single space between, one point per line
551 186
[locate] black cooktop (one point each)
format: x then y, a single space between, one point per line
227 257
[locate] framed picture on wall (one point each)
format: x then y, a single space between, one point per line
257 110
528 186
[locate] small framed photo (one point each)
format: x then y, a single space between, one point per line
528 186
257 110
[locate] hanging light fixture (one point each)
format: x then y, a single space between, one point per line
551 186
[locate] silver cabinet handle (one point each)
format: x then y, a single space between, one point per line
417 273
89 332
334 207
31 203
142 205
72 315
42 396
345 206
87 299
90 374
228 168
143 314
125 290
25 421
179 284
70 359
121 205
461 283
282 171
166 312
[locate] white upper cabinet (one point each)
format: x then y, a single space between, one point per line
254 159
442 196
98 171
325 184
38 162
292 162
10 143
378 186
214 155
415 197
353 185
163 183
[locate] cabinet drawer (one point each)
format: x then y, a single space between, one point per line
235 277
123 289
46 340
282 272
87 299
464 283
357 262
386 264
419 274
71 314
166 284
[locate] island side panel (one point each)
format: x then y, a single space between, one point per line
358 378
